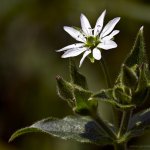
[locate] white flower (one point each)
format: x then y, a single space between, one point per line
91 41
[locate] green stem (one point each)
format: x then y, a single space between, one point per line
124 123
106 72
109 84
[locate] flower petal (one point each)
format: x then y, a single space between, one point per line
109 27
99 23
110 36
75 33
97 54
107 45
86 53
76 45
86 27
73 52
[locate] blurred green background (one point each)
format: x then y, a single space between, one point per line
30 32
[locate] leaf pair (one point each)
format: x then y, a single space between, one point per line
139 124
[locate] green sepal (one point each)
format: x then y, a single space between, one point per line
76 77
65 91
81 129
75 92
84 106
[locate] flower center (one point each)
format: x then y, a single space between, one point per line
92 42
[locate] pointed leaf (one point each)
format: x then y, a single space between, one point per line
137 54
141 119
84 106
143 88
76 77
143 81
139 123
80 129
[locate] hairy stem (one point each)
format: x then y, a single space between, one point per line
124 123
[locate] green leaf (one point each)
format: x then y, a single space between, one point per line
76 96
143 81
139 123
84 106
136 57
108 97
140 120
143 88
65 90
137 54
76 77
81 129
135 73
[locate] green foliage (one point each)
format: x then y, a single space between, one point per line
65 90
76 92
128 77
139 123
108 96
76 77
81 129
137 55
132 85
130 91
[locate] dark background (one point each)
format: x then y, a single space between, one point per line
30 32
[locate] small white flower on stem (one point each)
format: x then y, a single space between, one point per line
91 41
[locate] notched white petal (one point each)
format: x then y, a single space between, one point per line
73 52
110 36
99 23
109 26
107 45
72 46
75 33
85 24
97 54
86 53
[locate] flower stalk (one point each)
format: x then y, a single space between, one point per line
106 73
